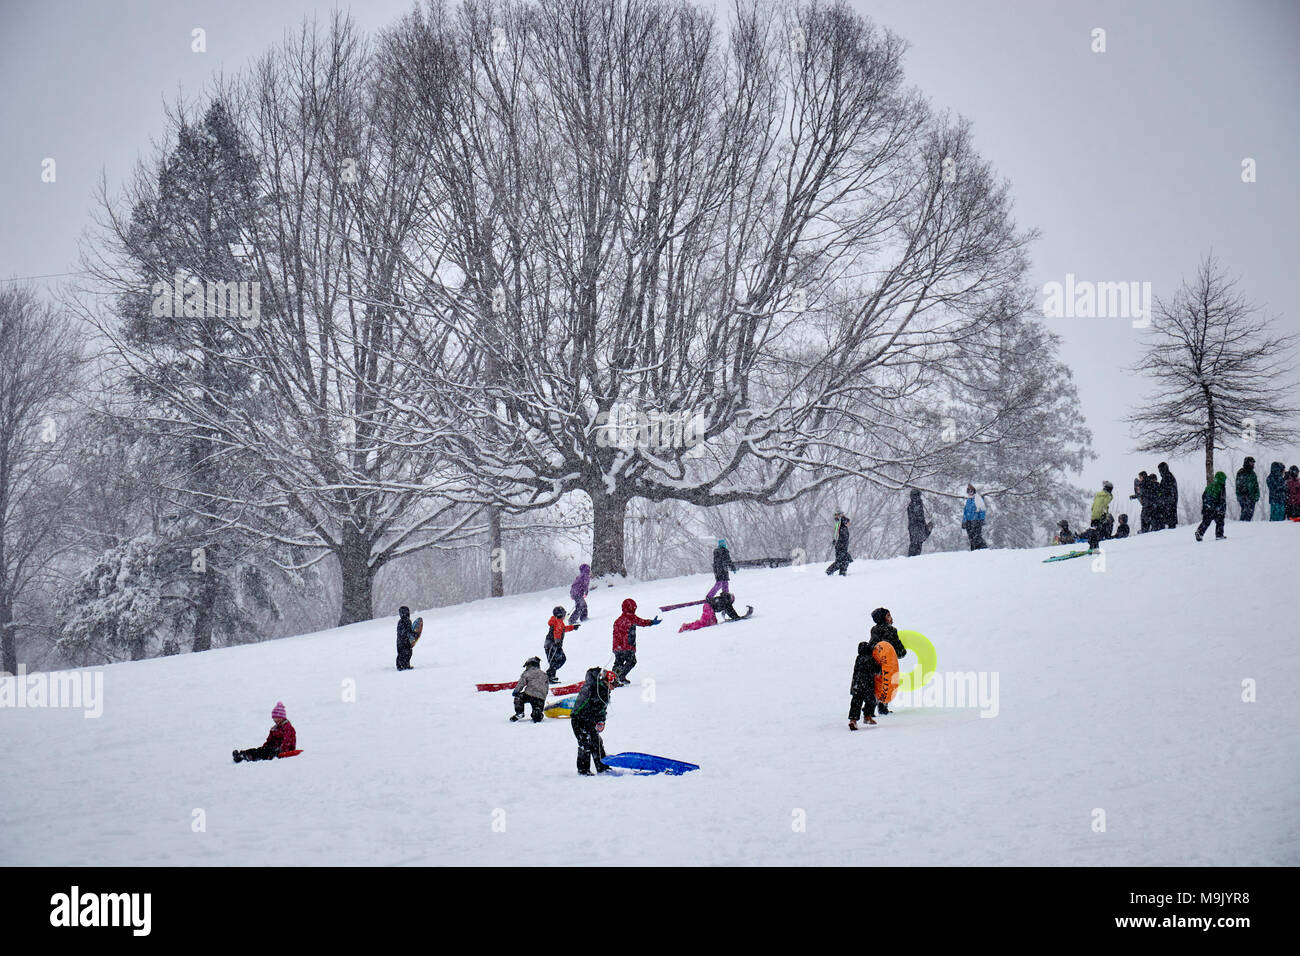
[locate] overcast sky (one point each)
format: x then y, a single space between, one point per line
1128 161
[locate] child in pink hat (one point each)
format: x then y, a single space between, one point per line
280 742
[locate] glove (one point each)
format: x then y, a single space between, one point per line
576 626
656 620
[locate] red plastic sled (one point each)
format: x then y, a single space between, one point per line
510 686
288 753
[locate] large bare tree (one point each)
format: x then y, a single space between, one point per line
758 237
1223 376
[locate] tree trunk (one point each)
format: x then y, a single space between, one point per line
1209 451
358 578
608 515
496 556
207 602
8 640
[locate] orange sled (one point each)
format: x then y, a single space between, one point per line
887 679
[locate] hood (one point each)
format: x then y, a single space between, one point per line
403 612
629 606
1220 479
584 570
1248 464
1276 468
1164 468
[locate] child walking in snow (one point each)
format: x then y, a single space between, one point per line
588 719
531 689
863 687
722 568
625 640
282 739
886 647
553 646
578 592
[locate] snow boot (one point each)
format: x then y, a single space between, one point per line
868 719
853 725
514 717
882 708
602 767
552 678
586 773
1197 536
237 755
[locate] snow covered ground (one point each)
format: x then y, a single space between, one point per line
1118 690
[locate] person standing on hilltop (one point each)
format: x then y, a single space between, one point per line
918 529
1166 498
1247 489
841 545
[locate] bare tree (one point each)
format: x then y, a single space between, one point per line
761 238
1222 374
40 363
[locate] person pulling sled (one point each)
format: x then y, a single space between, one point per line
553 646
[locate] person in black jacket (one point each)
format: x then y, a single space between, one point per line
725 604
1147 491
588 720
1167 497
842 557
722 568
863 687
918 529
1122 529
884 631
405 635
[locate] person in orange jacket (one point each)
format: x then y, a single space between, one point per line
282 739
625 640
553 646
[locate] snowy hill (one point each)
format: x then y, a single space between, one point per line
1118 690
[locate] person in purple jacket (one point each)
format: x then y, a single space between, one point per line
578 591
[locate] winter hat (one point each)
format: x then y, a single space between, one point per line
558 611
722 542
403 611
533 661
629 606
1249 463
1063 523
916 492
277 712
1107 486
878 615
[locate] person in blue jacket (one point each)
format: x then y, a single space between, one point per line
972 520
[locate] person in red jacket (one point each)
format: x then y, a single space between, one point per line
282 739
625 641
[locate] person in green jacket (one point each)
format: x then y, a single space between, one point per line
1214 506
1102 522
1247 489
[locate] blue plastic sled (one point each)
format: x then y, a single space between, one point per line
649 763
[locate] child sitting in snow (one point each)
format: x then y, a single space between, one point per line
531 689
1121 529
707 619
282 739
863 687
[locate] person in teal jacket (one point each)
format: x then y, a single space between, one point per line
1247 489
1214 506
972 520
1276 482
